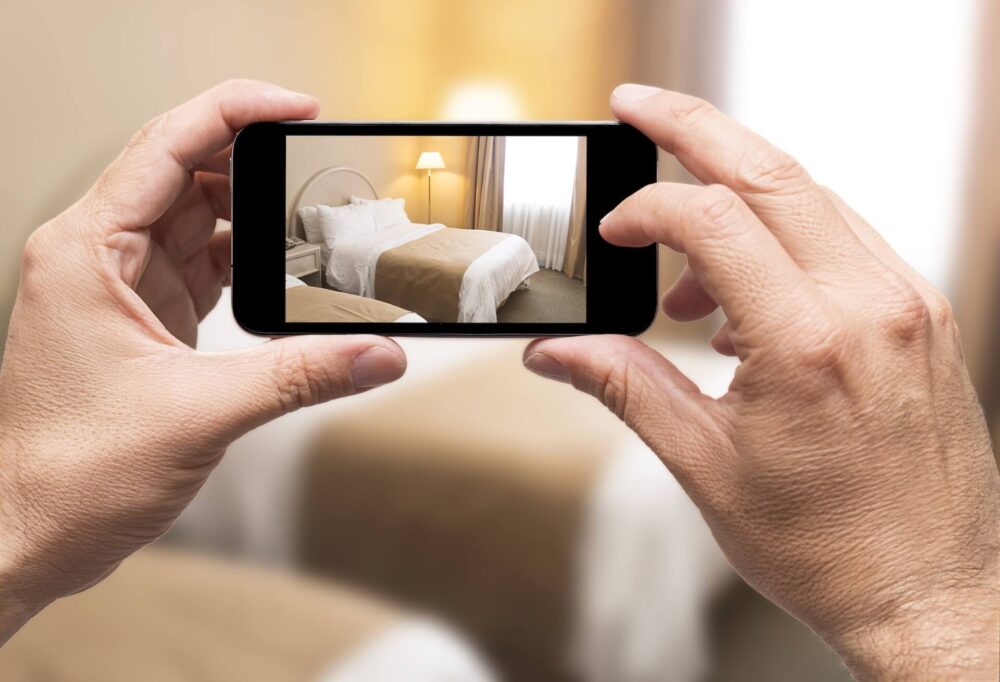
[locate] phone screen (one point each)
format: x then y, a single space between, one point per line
492 230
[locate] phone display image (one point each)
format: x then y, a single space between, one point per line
468 229
461 228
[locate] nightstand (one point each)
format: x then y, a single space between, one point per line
303 261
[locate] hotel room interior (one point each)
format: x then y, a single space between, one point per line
473 521
382 229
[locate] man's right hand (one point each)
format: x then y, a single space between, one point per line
848 473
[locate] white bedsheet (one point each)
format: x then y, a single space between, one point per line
489 280
416 650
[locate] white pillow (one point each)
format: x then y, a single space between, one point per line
344 222
291 282
388 212
310 224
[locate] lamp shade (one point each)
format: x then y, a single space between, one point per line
430 161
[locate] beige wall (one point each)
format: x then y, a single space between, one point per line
389 163
78 78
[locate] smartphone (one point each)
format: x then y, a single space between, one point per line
438 229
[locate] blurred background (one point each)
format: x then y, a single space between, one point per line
473 522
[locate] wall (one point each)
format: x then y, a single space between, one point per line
79 78
389 163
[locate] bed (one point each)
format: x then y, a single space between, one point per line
519 509
170 614
304 303
370 248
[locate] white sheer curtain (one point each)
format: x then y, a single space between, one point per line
538 193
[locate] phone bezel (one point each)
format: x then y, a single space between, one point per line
621 282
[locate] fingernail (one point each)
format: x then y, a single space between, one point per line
633 92
376 366
547 366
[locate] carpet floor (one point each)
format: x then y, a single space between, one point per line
552 297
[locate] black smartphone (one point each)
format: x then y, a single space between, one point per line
438 229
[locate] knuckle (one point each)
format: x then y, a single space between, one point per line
653 199
941 312
824 347
614 388
909 319
717 205
297 382
148 133
690 112
767 169
34 251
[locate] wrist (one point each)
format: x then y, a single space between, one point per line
953 638
17 603
18 600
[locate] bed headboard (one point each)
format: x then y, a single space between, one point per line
333 186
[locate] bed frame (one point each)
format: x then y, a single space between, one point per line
332 186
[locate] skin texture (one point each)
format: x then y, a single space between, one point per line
109 421
848 473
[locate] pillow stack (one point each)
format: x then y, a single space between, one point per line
388 212
330 224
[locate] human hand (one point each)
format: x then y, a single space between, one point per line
847 474
109 421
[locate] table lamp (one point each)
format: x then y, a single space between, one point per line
430 161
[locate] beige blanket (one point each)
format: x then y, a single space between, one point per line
425 275
312 304
166 616
450 496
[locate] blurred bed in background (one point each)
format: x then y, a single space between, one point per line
472 521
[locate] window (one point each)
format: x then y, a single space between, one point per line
539 174
874 99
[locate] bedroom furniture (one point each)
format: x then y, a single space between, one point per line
303 261
168 614
441 273
521 509
430 161
314 304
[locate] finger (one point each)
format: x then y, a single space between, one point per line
218 162
255 385
152 170
717 149
740 263
875 243
190 221
207 272
687 299
722 342
165 293
646 391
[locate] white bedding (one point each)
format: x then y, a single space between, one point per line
489 280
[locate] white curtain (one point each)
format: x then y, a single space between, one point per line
539 173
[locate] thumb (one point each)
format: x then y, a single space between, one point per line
255 385
654 398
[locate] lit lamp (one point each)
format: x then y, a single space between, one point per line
430 161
